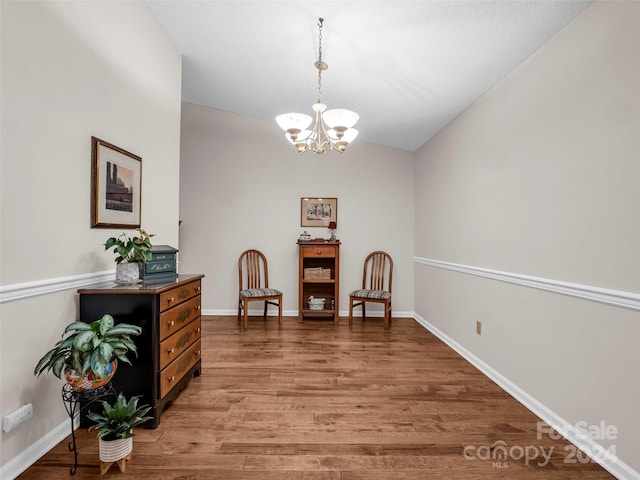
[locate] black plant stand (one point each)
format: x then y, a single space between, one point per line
76 402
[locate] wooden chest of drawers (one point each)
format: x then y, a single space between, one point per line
169 347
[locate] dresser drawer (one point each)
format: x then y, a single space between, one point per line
173 320
170 376
173 346
177 295
318 251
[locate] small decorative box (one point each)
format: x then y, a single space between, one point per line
163 264
305 237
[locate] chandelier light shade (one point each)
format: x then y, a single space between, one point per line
333 129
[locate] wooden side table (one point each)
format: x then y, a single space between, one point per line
318 277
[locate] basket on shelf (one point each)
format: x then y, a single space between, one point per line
317 273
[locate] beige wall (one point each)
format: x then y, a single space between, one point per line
540 178
240 187
71 70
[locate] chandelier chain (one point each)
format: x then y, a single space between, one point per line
319 64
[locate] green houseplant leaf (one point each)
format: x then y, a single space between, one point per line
131 248
117 420
90 346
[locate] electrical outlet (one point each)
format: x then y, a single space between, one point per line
479 327
15 418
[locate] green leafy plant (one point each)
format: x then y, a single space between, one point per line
90 347
117 421
131 248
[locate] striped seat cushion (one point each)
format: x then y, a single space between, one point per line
367 293
259 292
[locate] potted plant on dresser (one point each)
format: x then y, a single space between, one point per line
89 355
131 253
115 430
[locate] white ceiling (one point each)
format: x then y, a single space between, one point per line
406 67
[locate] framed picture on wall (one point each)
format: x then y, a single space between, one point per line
116 182
318 212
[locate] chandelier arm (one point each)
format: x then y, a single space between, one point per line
327 140
315 137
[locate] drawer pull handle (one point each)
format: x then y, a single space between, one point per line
198 330
197 307
171 323
197 352
170 299
170 350
198 289
171 378
319 252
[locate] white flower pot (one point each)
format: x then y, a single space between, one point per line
114 450
127 273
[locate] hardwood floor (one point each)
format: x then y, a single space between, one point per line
320 401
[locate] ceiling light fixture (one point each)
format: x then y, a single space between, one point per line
340 121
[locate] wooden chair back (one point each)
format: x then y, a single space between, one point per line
378 271
253 270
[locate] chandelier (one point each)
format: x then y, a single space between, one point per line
333 129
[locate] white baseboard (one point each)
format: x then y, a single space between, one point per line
608 461
294 313
32 454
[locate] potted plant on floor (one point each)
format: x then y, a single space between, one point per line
115 426
131 253
89 355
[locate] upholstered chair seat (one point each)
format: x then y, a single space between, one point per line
260 292
368 293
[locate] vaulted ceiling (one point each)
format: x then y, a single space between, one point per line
406 67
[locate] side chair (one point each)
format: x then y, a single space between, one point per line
376 286
253 276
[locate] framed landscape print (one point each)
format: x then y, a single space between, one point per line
318 212
116 182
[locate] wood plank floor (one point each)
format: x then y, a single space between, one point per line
320 401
